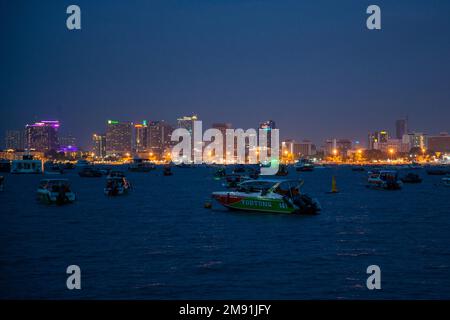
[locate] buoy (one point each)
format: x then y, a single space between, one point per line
334 188
208 205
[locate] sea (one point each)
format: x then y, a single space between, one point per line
160 242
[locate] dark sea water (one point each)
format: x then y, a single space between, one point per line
159 242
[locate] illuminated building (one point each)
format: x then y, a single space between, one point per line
141 137
187 122
439 143
159 133
415 140
222 127
401 128
298 149
375 138
15 139
268 126
99 145
393 146
42 136
118 137
67 143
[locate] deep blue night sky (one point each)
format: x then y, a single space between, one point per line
312 66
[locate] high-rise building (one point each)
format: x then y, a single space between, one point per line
415 140
159 137
119 137
187 122
141 136
222 127
42 136
15 139
99 145
67 141
268 126
377 137
401 128
439 143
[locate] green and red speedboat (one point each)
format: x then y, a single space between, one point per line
269 195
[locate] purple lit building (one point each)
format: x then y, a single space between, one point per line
42 136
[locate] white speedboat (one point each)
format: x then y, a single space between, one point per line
116 186
304 165
55 191
384 179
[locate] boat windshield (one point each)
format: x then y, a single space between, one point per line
255 186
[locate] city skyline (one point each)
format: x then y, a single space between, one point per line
239 62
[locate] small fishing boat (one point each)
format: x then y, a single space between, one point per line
414 165
140 165
55 191
167 171
384 180
27 165
269 195
90 172
411 178
304 165
116 186
282 170
185 165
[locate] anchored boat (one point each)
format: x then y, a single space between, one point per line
304 165
384 180
446 181
116 186
55 191
269 195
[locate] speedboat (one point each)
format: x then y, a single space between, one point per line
269 195
446 181
116 186
55 191
139 165
90 172
304 165
411 178
384 179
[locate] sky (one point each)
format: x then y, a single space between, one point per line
312 66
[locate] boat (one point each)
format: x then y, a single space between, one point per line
282 170
90 172
437 172
233 180
116 186
411 178
55 191
140 165
82 163
220 173
185 165
2 182
268 195
167 171
27 165
304 165
53 168
414 165
446 181
384 179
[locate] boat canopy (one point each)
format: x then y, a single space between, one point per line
269 185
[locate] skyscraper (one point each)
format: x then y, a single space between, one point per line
268 126
42 136
222 127
14 139
118 137
401 128
159 137
141 137
99 145
187 122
